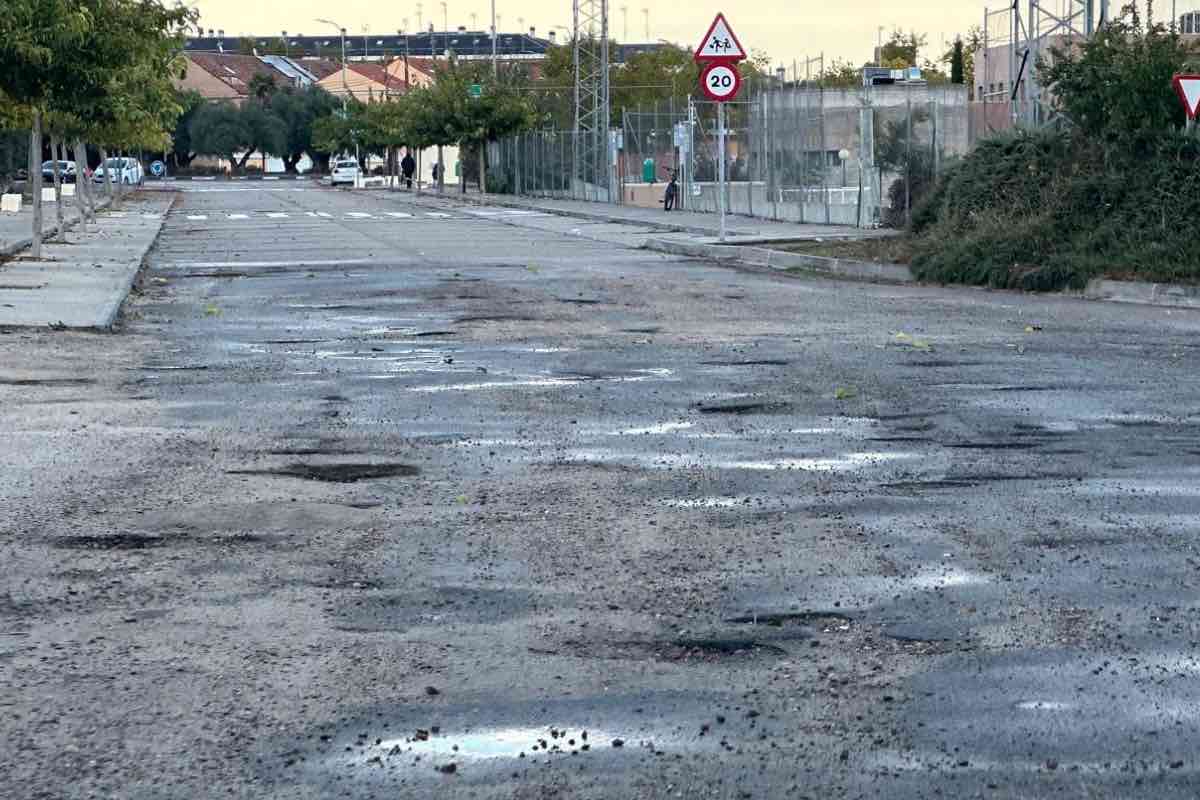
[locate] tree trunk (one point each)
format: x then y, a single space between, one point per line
35 181
81 182
483 168
108 189
58 209
418 172
441 180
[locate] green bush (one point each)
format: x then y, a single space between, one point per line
1110 193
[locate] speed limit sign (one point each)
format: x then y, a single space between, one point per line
720 81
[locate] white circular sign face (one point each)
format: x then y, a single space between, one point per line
721 81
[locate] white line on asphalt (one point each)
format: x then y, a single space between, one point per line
356 214
324 214
150 216
276 215
436 214
197 216
399 215
300 263
239 216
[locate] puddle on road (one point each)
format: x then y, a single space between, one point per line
1043 705
663 427
496 743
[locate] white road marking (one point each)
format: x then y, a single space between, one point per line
197 216
357 214
301 263
437 214
239 216
324 214
311 214
399 215
276 215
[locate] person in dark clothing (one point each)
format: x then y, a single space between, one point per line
408 166
671 196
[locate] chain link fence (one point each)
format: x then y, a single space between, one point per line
799 153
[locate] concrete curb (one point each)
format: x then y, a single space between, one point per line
776 259
1169 295
112 310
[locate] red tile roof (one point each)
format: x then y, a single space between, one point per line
236 70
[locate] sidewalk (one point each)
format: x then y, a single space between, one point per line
81 284
739 230
16 230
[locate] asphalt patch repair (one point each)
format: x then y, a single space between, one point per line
335 473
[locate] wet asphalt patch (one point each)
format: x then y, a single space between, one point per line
145 541
46 381
675 650
745 408
334 473
398 612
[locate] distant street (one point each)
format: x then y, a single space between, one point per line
376 495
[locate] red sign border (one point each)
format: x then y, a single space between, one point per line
720 17
737 80
1177 82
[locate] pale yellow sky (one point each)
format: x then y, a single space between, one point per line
785 29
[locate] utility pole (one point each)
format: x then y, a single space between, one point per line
420 19
445 16
646 15
625 24
495 68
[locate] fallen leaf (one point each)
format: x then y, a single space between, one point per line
845 393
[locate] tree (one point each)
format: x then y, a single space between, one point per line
190 102
35 36
901 50
262 85
1116 87
958 64
967 46
300 109
224 129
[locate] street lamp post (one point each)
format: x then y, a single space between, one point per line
495 69
345 83
445 16
844 156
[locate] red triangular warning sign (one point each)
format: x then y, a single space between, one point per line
720 43
1188 89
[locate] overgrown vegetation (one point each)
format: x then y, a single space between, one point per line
1109 190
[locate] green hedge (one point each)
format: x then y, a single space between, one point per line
1047 210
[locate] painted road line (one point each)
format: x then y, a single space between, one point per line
151 216
293 263
357 214
399 215
311 214
239 216
277 215
324 214
197 217
437 214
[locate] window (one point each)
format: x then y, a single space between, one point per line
1001 86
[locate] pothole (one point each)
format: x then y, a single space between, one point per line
744 408
46 381
699 649
647 329
758 362
145 541
335 473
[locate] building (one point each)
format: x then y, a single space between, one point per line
364 81
227 76
464 44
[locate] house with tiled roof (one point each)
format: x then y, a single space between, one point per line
227 76
364 81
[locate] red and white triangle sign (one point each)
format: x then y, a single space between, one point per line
1188 89
720 43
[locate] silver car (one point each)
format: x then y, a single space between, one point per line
343 170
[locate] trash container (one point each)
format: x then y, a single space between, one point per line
648 170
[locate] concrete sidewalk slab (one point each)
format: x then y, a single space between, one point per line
82 284
15 229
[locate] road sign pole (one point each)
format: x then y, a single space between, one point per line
721 165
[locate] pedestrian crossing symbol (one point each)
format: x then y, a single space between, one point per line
720 43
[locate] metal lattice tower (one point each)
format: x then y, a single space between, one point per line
1030 28
590 162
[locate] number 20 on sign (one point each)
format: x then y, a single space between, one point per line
720 82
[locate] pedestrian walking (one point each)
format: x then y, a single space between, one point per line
408 166
671 196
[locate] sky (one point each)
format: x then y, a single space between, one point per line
785 29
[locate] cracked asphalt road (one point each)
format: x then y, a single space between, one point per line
375 496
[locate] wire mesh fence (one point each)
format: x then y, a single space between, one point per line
800 153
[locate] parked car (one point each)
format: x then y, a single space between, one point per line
124 170
343 170
66 171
